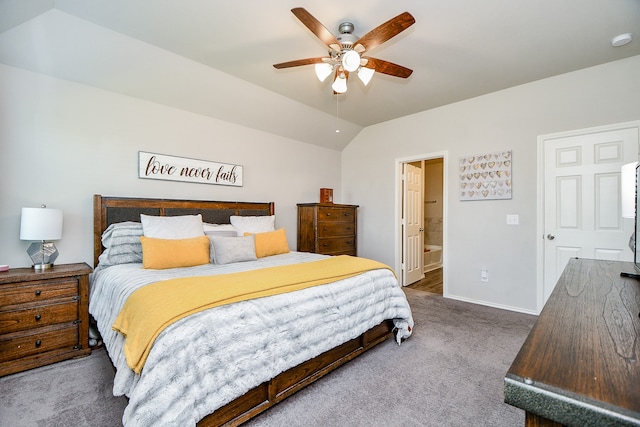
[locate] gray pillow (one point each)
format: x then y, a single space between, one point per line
122 244
226 250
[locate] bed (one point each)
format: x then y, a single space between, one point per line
226 364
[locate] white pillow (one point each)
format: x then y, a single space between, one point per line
254 224
172 227
225 250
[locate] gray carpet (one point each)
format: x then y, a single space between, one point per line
449 373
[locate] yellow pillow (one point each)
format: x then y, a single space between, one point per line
166 253
271 243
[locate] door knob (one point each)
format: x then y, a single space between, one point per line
550 236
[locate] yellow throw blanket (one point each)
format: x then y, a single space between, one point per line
152 308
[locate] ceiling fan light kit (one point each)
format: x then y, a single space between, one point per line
340 83
365 74
345 51
323 70
350 60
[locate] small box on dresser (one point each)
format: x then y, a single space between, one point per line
328 228
44 316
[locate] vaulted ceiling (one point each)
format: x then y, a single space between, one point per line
216 58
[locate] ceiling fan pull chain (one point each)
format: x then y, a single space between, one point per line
337 113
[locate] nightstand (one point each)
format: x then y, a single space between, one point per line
44 316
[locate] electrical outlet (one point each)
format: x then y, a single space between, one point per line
513 219
484 275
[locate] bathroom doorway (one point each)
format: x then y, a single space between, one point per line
427 255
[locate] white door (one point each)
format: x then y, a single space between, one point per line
582 199
413 248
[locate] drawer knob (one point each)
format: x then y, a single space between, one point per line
38 317
38 293
38 343
349 242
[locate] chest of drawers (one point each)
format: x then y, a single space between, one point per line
328 228
44 316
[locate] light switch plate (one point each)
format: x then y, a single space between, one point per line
513 219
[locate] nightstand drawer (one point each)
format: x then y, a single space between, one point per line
16 346
19 293
342 245
38 316
336 214
332 229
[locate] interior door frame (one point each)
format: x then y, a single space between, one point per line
398 211
540 227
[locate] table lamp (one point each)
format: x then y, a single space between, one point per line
41 224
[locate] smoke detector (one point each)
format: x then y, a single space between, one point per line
621 40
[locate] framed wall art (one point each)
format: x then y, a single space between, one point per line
174 168
486 176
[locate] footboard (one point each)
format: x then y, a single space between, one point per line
287 383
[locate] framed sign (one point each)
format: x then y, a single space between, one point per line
173 168
485 176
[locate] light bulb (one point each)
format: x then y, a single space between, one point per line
323 70
365 74
340 84
350 60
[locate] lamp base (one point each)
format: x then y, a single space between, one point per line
43 254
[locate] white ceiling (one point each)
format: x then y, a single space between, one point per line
172 51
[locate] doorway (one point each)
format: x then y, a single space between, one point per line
421 194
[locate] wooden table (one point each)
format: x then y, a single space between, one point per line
579 365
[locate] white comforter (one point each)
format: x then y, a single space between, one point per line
206 360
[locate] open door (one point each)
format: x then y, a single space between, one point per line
413 220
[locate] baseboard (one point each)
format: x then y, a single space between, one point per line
490 304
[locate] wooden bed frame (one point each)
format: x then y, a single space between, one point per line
109 210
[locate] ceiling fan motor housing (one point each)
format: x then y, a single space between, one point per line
346 37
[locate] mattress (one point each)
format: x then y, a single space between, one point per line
206 360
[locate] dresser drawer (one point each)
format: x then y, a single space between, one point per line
331 229
328 214
333 245
33 316
36 341
19 293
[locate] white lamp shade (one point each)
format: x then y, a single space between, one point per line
41 224
365 74
628 190
323 70
351 60
340 84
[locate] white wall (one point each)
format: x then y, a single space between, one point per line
62 142
475 231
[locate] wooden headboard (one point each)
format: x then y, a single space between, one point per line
109 210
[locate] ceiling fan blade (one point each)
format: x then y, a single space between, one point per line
299 62
384 32
386 67
315 26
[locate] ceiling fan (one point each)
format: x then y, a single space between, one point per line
345 50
